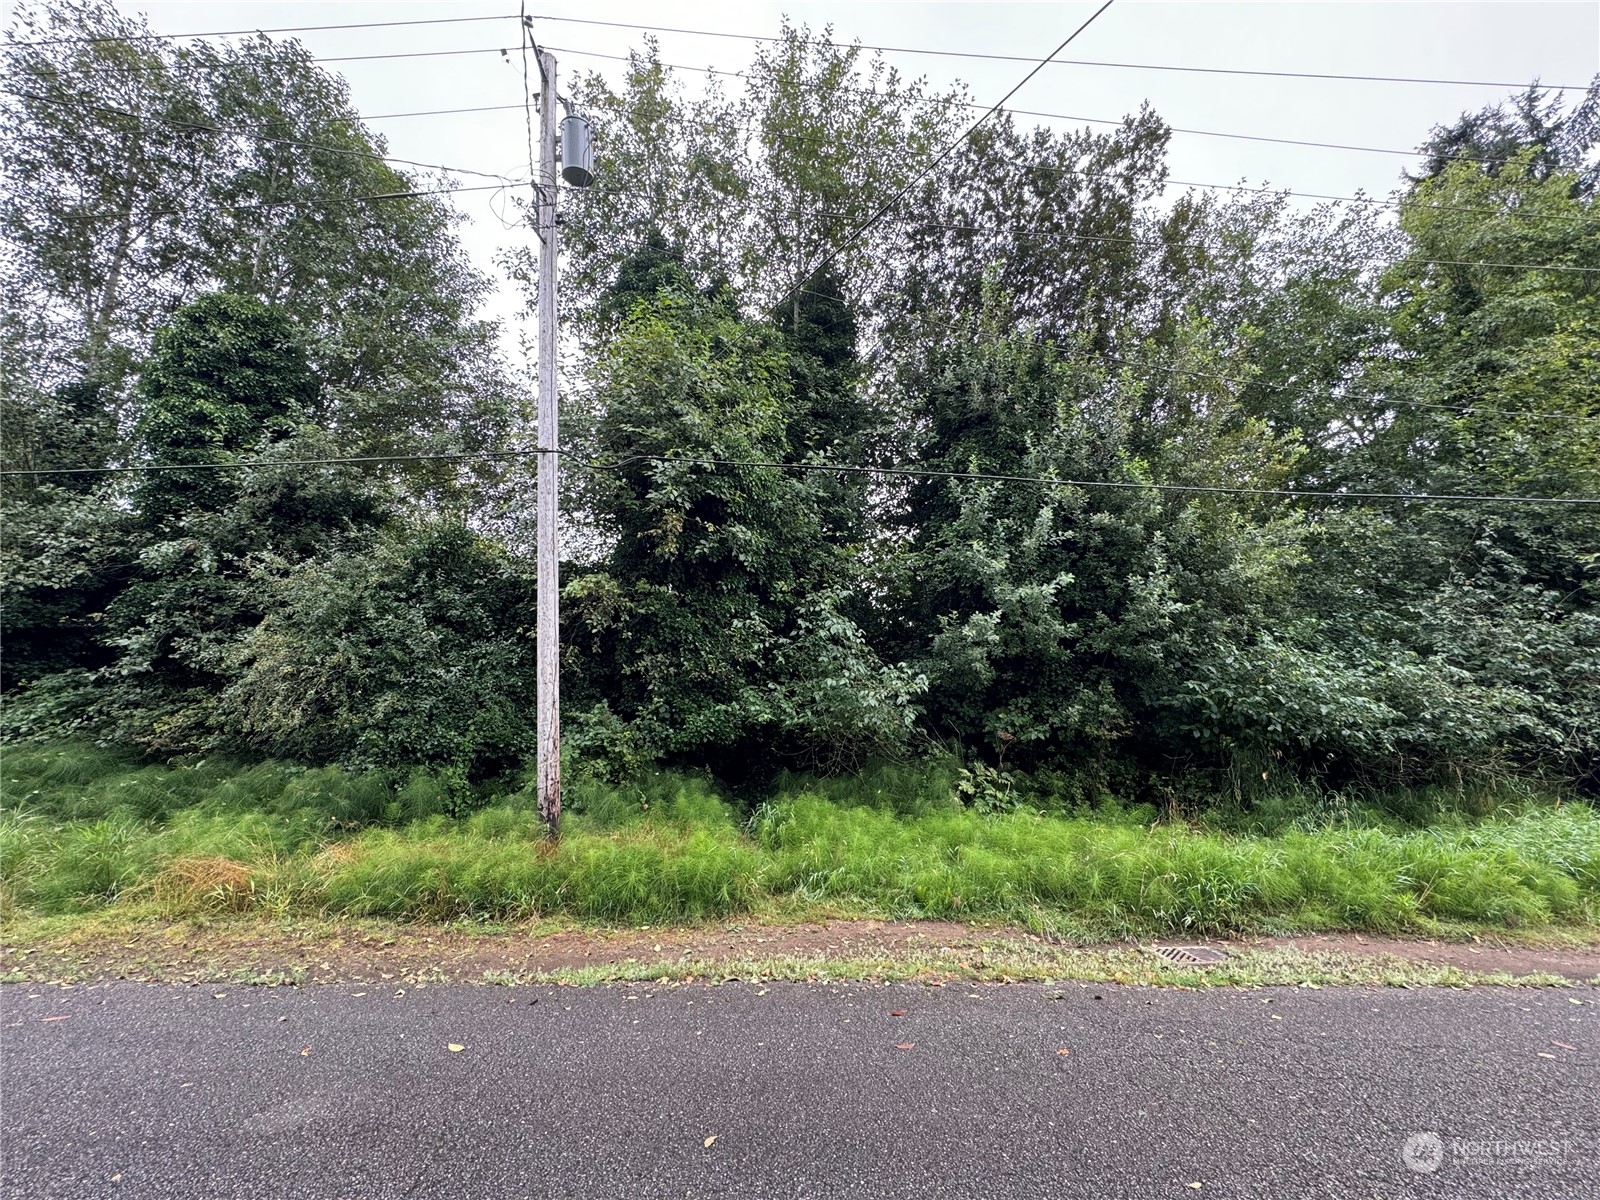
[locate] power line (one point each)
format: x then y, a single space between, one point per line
245 463
907 472
504 53
202 127
1257 137
1398 205
1299 389
342 58
151 37
1226 187
1054 116
928 169
1426 262
299 201
442 112
1121 485
749 37
1065 62
1021 112
1382 401
260 135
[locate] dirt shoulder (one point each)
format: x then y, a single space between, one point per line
375 952
1576 961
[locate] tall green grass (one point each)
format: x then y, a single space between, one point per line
82 829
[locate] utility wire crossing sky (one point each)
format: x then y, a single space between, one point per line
1303 97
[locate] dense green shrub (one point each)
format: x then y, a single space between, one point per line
416 651
1107 494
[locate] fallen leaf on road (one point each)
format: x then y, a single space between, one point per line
899 1012
306 1051
904 1045
456 1048
1563 1045
709 1140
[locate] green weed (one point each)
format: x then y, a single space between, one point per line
84 829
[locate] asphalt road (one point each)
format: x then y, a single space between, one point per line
134 1090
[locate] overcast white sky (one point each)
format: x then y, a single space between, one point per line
1556 42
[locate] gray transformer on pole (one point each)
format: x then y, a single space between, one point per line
577 151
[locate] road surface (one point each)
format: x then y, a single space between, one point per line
142 1090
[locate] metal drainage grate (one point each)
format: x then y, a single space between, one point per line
1191 956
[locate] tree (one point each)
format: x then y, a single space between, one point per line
226 376
1534 128
228 383
143 173
1062 621
415 649
717 624
1061 219
1442 642
752 190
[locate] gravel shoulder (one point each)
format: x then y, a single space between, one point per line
246 950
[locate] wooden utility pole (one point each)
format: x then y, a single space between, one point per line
548 631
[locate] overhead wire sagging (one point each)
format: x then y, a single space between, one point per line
991 56
902 471
881 214
1067 62
1051 116
854 235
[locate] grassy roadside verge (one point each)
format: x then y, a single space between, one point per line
87 834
